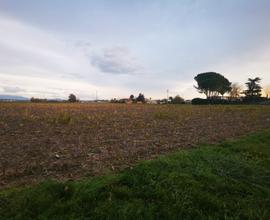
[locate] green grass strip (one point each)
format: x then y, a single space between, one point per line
230 180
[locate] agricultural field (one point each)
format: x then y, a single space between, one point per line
68 141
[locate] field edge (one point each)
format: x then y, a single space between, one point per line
226 180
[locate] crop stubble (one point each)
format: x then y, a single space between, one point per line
69 141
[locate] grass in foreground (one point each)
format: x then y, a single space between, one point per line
226 181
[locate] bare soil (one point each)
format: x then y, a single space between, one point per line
70 141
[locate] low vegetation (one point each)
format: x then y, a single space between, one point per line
225 181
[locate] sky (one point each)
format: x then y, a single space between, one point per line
49 49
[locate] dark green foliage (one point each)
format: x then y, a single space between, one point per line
212 84
199 101
253 87
177 100
254 100
114 100
253 91
131 97
72 98
141 98
38 100
226 181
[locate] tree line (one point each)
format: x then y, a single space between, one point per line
214 86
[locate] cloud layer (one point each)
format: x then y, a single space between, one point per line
124 47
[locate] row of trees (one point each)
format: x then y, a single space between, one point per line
71 98
214 85
140 98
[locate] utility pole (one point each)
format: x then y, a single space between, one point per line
96 95
167 94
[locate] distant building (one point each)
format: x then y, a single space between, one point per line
150 101
188 101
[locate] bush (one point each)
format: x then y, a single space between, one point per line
163 115
199 101
36 100
254 99
177 100
61 118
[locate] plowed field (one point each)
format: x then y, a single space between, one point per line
70 141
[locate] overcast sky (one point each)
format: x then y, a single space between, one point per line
120 47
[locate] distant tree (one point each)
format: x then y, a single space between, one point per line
254 88
140 98
212 84
72 98
131 97
32 99
177 100
235 91
114 100
38 100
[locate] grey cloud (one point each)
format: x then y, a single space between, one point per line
11 89
83 44
116 60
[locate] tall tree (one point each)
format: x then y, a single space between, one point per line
254 88
212 84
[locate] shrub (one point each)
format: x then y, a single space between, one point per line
177 100
199 101
254 99
61 118
64 118
163 115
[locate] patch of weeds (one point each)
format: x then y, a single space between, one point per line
163 116
62 118
27 116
